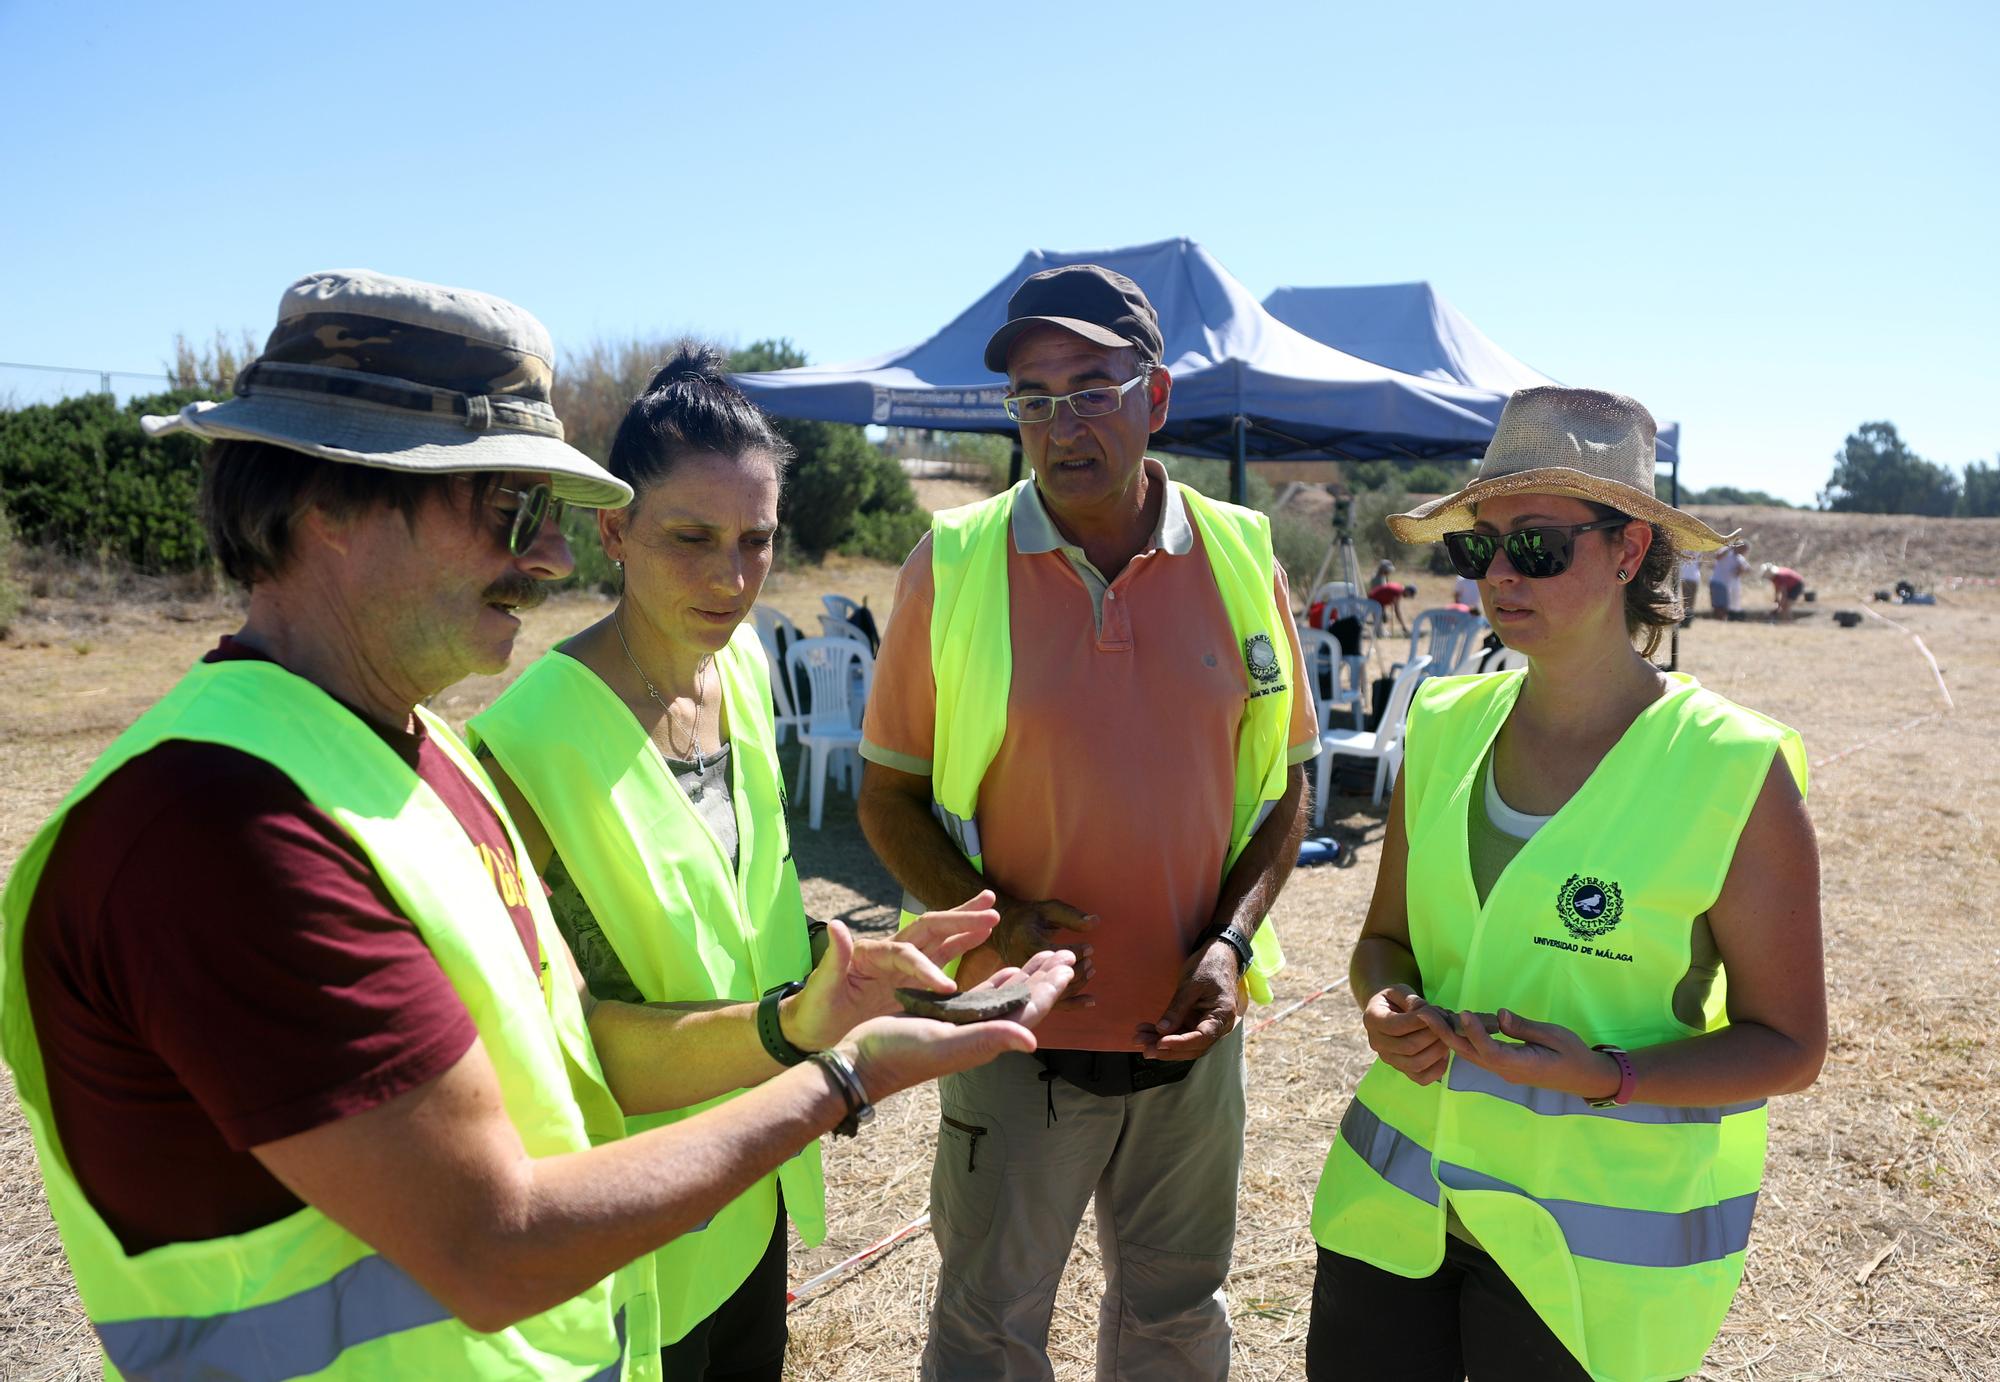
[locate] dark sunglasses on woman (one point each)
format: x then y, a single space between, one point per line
1536 553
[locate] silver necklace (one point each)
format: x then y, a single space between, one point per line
700 672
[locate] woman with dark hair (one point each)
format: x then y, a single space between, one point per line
639 760
1550 1170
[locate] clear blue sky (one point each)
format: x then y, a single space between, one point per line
1771 221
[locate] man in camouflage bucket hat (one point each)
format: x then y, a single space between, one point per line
313 1083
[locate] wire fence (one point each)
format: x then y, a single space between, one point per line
26 383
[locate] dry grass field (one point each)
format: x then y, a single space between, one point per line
1877 1248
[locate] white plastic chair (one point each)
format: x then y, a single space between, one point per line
1333 590
771 624
1330 668
1442 636
834 668
1360 607
1384 743
839 606
833 626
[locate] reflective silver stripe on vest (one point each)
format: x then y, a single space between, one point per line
1632 1237
1467 1078
293 1337
1263 814
964 832
1402 1162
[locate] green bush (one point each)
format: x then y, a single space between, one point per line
594 570
11 598
886 535
1212 479
1372 540
81 477
1300 544
1431 478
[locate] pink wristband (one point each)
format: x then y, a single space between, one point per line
1627 1079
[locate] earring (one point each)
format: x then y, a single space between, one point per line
1621 574
621 566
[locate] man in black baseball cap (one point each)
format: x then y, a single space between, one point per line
1080 673
1084 300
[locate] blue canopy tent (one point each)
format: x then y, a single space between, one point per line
1413 328
1246 386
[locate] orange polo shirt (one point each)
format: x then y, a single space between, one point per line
1112 787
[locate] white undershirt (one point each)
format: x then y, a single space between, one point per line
1505 818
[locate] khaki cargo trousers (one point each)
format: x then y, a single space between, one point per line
1008 1190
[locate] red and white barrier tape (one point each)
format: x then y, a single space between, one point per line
848 1264
1943 690
1865 743
1284 1013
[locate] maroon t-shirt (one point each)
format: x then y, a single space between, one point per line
213 964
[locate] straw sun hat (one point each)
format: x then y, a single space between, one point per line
1584 443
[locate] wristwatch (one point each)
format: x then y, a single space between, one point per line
1626 1079
1235 939
771 1032
846 1082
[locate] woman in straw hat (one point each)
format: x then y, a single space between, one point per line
1551 1167
640 762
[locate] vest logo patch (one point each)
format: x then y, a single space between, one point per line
1588 906
1261 658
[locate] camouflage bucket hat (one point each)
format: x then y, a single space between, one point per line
390 372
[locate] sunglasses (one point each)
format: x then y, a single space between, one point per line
534 506
1536 553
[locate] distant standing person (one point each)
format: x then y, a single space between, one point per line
1786 587
1725 580
1690 584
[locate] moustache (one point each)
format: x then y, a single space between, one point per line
520 591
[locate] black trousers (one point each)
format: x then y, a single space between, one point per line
744 1340
1464 1320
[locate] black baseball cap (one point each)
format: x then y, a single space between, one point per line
1087 299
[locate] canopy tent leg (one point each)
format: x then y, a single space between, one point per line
1674 490
1239 474
1014 465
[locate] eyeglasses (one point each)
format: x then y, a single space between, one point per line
1536 553
535 506
1041 407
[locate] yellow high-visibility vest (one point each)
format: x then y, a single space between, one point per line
685 926
972 663
303 1296
1625 1228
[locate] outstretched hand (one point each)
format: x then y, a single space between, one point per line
857 979
894 1053
1028 928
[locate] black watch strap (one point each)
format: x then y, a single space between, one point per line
846 1082
1235 939
771 1032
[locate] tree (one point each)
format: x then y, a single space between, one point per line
210 370
1877 473
843 494
1982 490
